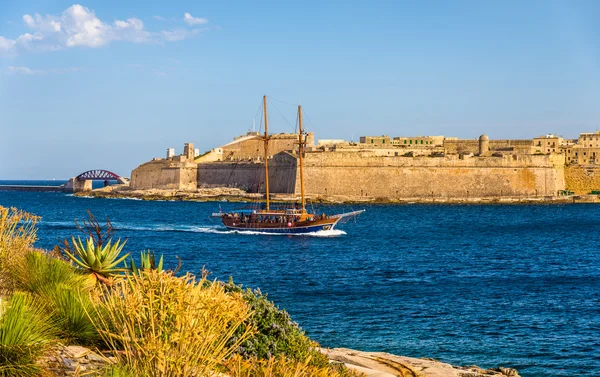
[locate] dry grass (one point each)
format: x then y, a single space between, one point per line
163 325
17 235
282 367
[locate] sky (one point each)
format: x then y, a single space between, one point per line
110 84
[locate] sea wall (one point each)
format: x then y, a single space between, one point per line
250 175
582 179
349 174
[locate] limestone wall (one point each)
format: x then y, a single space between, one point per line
250 175
165 174
406 177
472 146
582 180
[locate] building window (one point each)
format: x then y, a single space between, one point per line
421 141
372 141
404 141
411 141
382 141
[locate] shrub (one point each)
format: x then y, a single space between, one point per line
99 260
26 334
17 235
276 334
62 291
170 326
282 367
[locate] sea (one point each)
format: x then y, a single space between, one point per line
492 285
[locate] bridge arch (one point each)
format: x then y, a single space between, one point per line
98 175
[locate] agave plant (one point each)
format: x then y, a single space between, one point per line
147 262
101 261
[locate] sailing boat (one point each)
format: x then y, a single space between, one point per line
287 220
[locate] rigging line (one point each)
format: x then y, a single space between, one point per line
284 118
287 103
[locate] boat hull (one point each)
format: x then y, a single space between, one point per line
303 229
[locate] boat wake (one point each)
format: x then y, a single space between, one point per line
214 229
222 230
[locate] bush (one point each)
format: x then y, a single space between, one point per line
26 334
276 333
17 235
170 326
63 293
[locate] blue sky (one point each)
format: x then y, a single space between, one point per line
111 84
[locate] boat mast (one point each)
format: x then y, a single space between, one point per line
266 140
300 152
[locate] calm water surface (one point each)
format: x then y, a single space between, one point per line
516 286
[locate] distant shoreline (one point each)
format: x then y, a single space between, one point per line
237 196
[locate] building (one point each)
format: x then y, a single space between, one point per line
547 144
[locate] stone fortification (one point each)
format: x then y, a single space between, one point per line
582 179
461 146
250 175
358 175
174 173
350 174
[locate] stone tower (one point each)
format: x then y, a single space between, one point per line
484 144
188 151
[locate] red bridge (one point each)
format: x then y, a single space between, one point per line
98 175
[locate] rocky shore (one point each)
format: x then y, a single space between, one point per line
226 194
77 360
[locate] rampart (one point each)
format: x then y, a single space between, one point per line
176 173
582 179
355 175
418 177
459 146
250 175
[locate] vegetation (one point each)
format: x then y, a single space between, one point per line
147 262
276 334
170 326
26 334
17 235
100 261
155 323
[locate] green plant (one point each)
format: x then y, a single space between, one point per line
163 325
26 334
147 262
118 370
276 334
39 271
100 261
63 293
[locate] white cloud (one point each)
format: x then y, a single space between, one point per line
160 18
190 20
21 71
6 44
79 26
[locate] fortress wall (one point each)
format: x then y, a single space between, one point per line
472 146
164 174
581 179
249 175
405 177
254 147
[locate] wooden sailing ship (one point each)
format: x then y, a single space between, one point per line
287 220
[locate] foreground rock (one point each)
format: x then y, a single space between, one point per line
76 361
380 364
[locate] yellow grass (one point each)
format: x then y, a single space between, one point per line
17 235
170 326
236 366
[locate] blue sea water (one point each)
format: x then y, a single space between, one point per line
516 286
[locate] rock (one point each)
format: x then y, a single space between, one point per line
380 364
76 352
